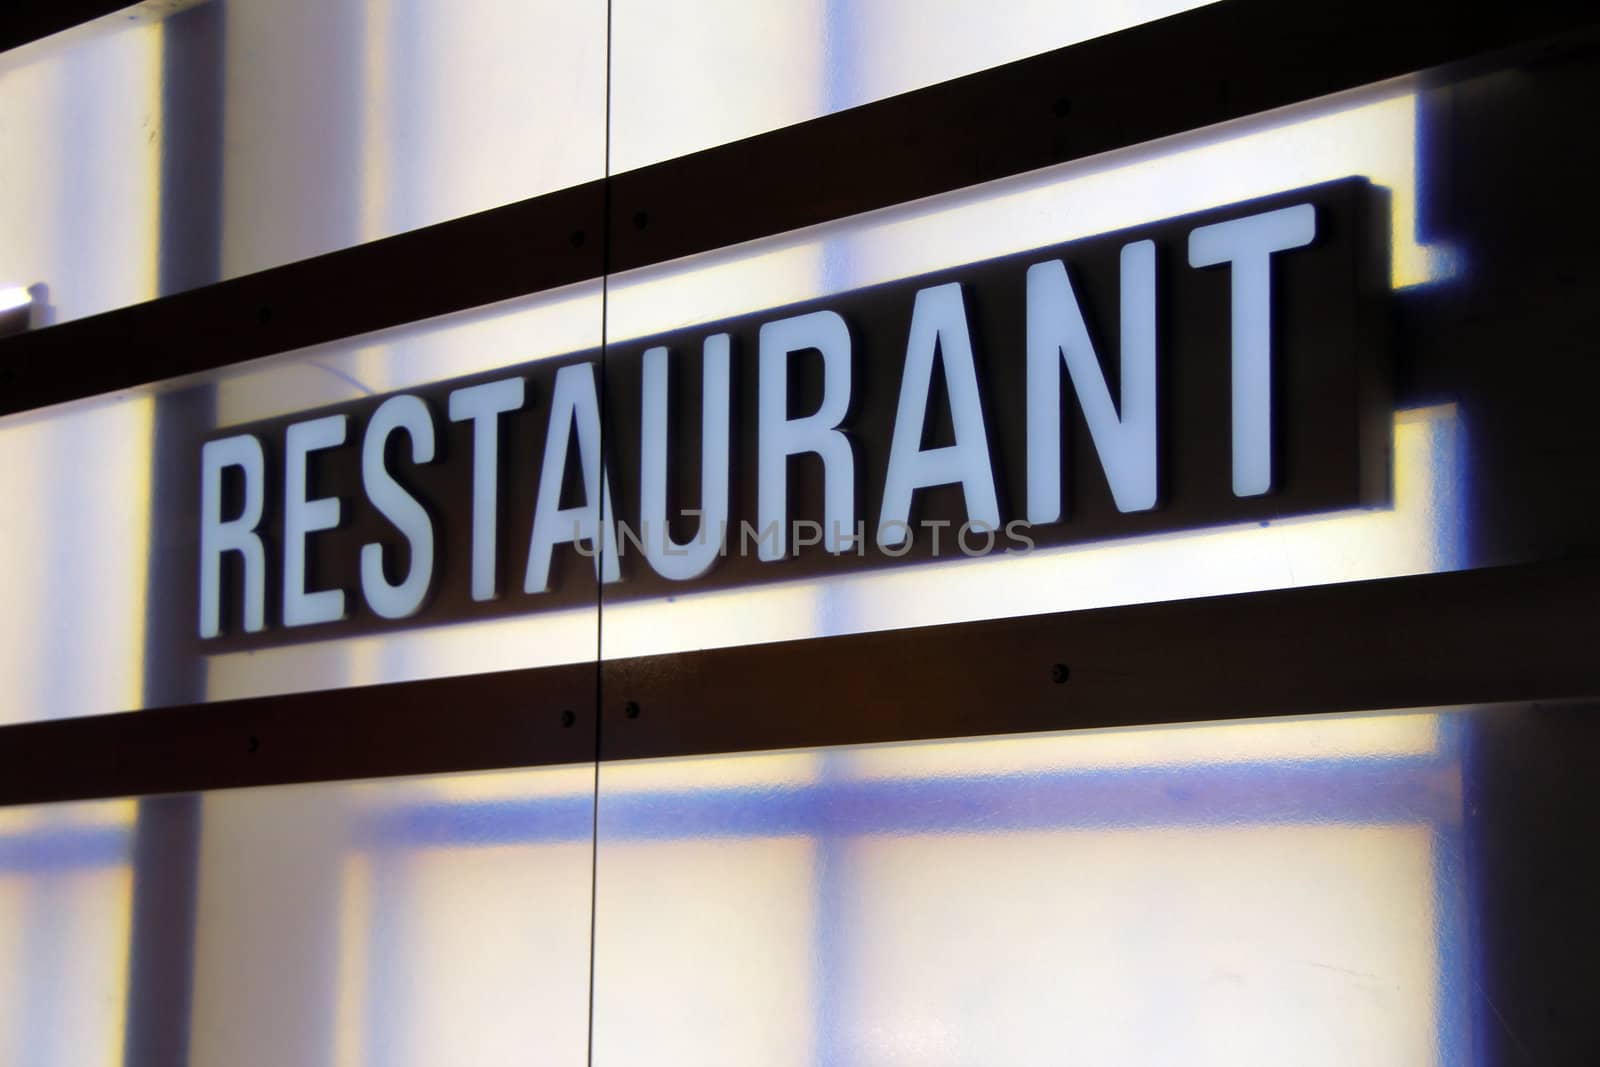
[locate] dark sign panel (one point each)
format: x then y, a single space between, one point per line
1222 367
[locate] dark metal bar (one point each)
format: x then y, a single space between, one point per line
29 20
1213 64
1225 61
505 719
1500 634
524 248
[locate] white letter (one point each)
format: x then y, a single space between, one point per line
780 437
670 559
1248 244
939 323
302 517
235 535
398 506
483 405
1126 444
574 398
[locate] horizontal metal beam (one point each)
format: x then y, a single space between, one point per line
29 20
1502 634
474 722
536 245
1225 61
1213 64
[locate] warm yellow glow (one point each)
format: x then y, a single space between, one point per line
355 948
487 786
378 100
1235 945
1271 740
14 907
769 770
540 640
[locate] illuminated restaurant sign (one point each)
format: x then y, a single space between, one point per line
1217 368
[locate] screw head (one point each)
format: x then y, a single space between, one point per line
568 717
631 709
252 744
640 220
1059 673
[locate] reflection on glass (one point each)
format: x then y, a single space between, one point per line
1256 892
65 905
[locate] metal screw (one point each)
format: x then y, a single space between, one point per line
1060 673
631 709
253 744
568 717
577 238
640 220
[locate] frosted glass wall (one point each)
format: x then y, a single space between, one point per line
1248 893
689 76
177 144
409 921
1251 892
66 897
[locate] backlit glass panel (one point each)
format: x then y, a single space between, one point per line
1253 892
175 144
66 899
694 75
